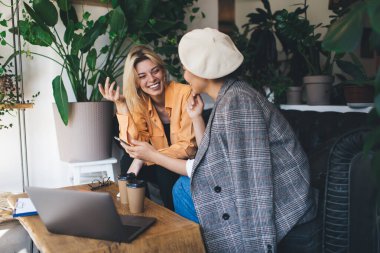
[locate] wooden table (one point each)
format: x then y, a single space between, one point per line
170 233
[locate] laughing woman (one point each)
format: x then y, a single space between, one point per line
152 109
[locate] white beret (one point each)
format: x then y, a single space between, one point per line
209 53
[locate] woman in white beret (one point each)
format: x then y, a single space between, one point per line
249 182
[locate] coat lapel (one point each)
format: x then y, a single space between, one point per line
206 137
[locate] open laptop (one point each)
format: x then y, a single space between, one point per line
86 214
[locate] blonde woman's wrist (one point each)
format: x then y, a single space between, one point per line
121 108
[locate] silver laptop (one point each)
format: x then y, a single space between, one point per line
86 214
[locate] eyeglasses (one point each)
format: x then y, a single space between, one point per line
97 184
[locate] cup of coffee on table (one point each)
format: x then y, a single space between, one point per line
122 181
136 195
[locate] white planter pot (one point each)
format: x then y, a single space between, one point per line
318 89
88 135
294 95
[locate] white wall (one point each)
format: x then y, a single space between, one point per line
45 167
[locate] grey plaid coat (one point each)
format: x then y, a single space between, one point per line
250 178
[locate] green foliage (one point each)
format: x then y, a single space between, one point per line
129 22
262 67
9 94
355 70
60 97
343 36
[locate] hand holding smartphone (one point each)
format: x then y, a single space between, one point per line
120 140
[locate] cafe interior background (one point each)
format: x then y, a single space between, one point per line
29 149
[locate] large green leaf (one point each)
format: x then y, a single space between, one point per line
61 99
73 63
143 13
69 33
373 9
36 17
344 35
46 11
64 5
76 44
69 15
93 34
34 34
351 69
91 59
267 6
117 20
163 25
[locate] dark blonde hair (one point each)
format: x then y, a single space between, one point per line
134 96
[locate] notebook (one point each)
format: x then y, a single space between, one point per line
24 207
85 214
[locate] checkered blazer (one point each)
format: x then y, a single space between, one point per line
250 179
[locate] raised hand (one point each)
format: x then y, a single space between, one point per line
195 106
110 94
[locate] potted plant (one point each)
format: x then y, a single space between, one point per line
86 65
344 36
358 90
264 69
10 96
306 44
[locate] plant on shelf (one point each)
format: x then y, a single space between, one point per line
300 44
344 36
262 66
358 89
11 97
127 23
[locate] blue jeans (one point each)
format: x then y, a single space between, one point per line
183 203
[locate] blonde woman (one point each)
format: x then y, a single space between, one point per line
152 109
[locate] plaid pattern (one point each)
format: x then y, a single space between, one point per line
251 153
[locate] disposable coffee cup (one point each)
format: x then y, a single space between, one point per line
136 195
122 181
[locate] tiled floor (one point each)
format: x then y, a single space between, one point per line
13 238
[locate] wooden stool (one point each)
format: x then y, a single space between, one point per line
91 167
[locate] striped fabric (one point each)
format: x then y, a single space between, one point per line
250 179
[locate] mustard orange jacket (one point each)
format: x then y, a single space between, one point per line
146 125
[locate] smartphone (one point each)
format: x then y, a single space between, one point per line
120 140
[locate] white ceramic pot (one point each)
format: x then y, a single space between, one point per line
294 95
88 135
318 89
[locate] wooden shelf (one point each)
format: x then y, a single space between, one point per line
16 106
90 2
326 108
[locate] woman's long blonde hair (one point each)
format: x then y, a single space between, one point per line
134 96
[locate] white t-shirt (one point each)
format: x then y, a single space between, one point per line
189 166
